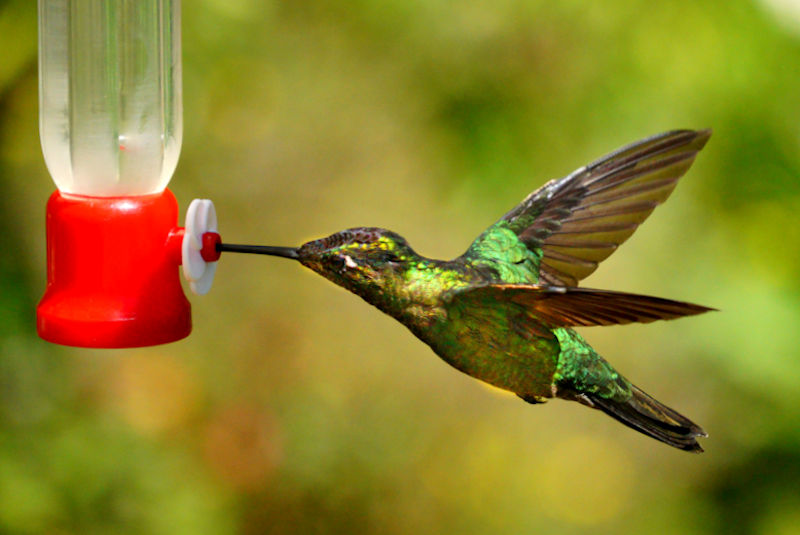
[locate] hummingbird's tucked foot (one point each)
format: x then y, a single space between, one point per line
503 311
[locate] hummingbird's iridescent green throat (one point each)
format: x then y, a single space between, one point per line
503 311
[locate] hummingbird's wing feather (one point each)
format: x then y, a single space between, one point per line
559 306
579 220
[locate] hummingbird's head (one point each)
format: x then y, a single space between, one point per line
358 258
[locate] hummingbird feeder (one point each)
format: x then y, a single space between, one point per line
111 128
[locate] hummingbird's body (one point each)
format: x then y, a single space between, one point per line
503 311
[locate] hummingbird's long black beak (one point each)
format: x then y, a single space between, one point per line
286 252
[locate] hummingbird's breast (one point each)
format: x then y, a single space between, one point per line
415 297
475 340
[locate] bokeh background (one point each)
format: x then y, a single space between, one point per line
296 408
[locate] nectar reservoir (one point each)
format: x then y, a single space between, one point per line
110 94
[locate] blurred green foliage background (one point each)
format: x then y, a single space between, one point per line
296 408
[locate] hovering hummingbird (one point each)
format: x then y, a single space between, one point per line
503 311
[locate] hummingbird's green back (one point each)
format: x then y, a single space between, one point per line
503 256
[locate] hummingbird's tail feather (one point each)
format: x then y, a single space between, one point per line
584 376
646 415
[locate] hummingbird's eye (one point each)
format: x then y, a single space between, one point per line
391 258
337 262
343 262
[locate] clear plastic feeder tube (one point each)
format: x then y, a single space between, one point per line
110 94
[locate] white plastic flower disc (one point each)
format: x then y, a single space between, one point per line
201 217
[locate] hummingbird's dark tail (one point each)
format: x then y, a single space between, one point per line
648 416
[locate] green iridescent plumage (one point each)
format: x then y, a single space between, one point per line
503 312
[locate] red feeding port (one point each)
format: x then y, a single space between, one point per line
112 272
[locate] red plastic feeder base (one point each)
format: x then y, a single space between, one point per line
112 272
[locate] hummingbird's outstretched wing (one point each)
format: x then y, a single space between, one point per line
579 220
560 306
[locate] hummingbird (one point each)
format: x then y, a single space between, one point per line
504 312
